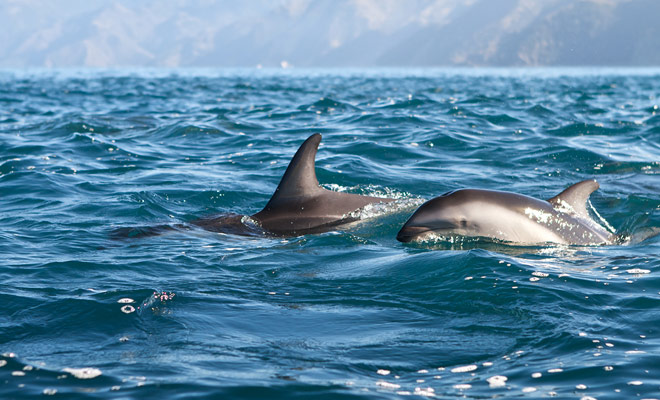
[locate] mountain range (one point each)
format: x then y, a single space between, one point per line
329 33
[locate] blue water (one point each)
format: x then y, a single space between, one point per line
345 314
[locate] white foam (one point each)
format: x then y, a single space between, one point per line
127 309
388 385
83 373
462 386
497 381
638 271
383 372
466 368
125 300
635 383
529 389
555 370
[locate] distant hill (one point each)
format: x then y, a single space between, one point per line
329 33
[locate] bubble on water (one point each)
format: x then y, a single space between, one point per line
534 279
18 373
383 372
497 381
609 345
581 386
83 373
555 370
125 300
537 375
540 274
127 309
49 391
635 383
388 385
529 389
466 368
487 364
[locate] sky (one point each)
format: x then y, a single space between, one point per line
329 33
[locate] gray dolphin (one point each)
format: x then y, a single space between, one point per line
509 217
299 206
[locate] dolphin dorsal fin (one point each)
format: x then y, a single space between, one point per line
576 197
299 180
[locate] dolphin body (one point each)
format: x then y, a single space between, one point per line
509 217
299 206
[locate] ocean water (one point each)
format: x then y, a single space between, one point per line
352 313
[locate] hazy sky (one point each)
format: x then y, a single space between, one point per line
328 33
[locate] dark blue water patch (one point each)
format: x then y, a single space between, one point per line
353 313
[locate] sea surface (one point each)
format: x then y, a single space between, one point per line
347 314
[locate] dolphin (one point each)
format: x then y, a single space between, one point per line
509 217
298 207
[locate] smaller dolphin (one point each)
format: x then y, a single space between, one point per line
509 217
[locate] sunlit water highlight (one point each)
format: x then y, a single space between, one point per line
345 314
